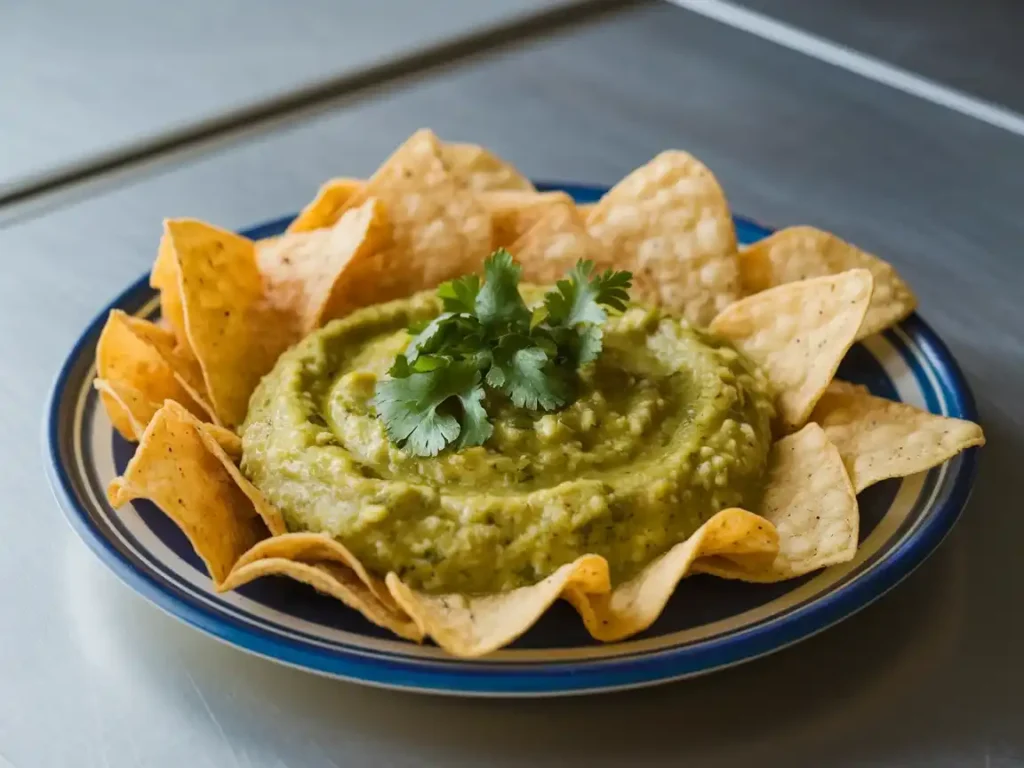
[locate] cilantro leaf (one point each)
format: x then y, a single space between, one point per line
476 427
498 301
460 295
487 336
420 411
581 298
522 373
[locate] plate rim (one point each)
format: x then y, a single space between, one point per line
476 677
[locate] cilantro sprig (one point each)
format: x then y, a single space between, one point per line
487 337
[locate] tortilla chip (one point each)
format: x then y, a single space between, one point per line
439 228
227 451
514 213
469 626
307 273
798 253
324 564
799 333
481 171
328 205
127 407
634 605
811 502
669 224
164 278
880 438
174 468
235 333
554 244
585 209
137 374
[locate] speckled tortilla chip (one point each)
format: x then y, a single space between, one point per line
327 566
481 171
468 626
134 412
798 333
314 276
133 358
327 207
440 231
234 331
514 212
880 438
175 469
798 253
634 605
811 502
669 224
164 278
549 249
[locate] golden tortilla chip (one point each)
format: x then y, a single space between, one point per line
554 244
309 274
234 331
481 171
799 333
440 230
634 605
585 209
880 438
175 468
513 213
811 502
137 373
127 407
798 253
164 278
669 224
324 564
328 205
135 412
469 626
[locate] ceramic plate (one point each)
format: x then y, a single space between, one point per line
709 624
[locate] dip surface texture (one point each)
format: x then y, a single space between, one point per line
669 426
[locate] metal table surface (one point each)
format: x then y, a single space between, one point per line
82 82
931 675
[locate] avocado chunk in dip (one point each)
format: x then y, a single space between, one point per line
670 425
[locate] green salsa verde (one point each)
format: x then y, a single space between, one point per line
670 425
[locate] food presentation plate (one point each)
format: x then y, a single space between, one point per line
709 623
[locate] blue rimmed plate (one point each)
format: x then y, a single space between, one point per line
709 623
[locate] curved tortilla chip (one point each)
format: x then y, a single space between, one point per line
469 626
193 485
669 224
482 171
514 212
439 229
327 207
880 438
324 564
139 374
810 501
308 275
164 278
798 253
634 605
798 333
234 331
554 244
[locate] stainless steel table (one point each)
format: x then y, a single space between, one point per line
90 675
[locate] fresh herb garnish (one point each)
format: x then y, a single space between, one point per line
488 337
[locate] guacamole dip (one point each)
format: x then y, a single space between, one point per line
670 426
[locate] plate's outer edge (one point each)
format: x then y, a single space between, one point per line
542 680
